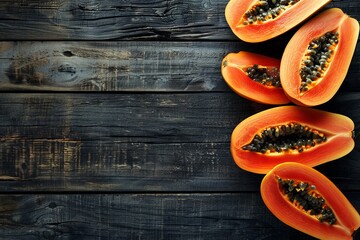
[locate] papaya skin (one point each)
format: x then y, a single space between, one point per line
348 219
232 70
337 128
326 87
235 10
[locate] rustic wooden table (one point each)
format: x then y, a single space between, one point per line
115 123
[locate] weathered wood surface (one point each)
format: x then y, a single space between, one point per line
149 159
139 216
137 142
129 66
122 20
115 66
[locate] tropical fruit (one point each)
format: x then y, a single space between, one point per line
260 20
254 76
306 200
290 134
317 58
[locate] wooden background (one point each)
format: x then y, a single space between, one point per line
115 123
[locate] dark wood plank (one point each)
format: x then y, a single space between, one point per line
149 117
129 66
113 19
137 142
126 142
113 66
139 216
127 167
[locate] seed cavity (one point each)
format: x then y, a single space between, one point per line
268 76
305 196
316 60
265 10
284 138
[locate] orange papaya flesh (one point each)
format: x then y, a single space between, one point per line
254 76
290 134
308 201
317 58
258 21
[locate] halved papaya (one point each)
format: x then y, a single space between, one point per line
308 201
290 134
316 59
257 21
254 76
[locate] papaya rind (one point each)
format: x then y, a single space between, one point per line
337 127
348 219
329 20
253 33
240 83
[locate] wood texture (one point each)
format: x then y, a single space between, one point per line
113 66
137 142
122 20
139 216
115 123
129 66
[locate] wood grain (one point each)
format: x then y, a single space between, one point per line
150 117
115 123
113 66
129 66
143 216
122 20
137 142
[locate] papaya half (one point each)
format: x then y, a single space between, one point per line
290 134
308 201
260 20
254 76
317 58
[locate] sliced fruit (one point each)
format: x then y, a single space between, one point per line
308 201
260 20
254 76
290 134
317 58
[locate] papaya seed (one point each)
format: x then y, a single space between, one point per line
316 59
266 9
304 196
284 137
266 76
